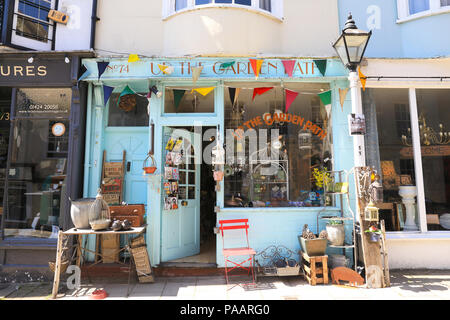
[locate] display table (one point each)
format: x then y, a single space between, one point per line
62 247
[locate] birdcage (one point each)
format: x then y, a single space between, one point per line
99 213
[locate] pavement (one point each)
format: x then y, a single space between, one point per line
405 285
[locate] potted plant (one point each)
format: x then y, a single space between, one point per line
323 179
336 232
310 244
374 234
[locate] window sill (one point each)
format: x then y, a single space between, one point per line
417 235
423 14
278 209
227 6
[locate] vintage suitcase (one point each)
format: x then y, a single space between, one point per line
132 212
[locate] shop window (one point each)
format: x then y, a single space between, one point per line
31 27
433 108
412 9
389 150
271 154
186 100
136 117
5 123
37 159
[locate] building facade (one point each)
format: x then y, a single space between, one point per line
405 101
42 127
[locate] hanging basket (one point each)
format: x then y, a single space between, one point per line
149 169
218 175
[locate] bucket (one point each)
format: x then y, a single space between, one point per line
79 212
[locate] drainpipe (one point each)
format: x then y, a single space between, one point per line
94 20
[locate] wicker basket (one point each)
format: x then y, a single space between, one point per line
64 265
138 241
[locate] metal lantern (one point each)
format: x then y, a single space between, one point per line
371 212
376 190
99 213
304 140
352 43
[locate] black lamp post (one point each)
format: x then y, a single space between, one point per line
352 43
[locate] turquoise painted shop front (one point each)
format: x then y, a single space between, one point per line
268 226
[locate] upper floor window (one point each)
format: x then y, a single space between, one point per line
411 9
271 6
31 28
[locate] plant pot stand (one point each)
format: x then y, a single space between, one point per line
315 269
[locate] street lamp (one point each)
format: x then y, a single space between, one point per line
350 47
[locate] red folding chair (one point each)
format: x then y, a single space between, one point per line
237 224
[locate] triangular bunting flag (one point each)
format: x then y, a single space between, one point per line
226 65
289 67
101 66
290 97
166 69
362 78
321 65
177 96
325 97
342 95
133 58
232 92
107 90
84 73
204 91
196 71
236 97
125 91
260 91
256 66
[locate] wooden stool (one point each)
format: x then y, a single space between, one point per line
315 269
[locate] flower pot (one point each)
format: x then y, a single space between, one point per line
374 237
336 234
313 247
149 169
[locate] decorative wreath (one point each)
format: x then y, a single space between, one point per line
127 102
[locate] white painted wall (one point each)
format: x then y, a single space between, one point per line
307 29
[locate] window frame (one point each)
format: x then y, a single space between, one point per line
28 42
403 14
276 8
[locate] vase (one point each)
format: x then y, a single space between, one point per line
408 193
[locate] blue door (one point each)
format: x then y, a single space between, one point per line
134 141
181 224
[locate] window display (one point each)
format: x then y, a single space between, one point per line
136 116
36 172
185 100
272 147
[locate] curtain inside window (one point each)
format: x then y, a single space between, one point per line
416 6
265 5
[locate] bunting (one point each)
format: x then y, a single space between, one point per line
289 67
166 69
325 97
177 96
260 91
133 58
125 91
256 66
342 96
321 65
84 73
101 66
226 65
232 92
290 97
196 71
107 91
204 91
362 78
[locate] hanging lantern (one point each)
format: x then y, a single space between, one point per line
376 190
99 213
371 212
304 140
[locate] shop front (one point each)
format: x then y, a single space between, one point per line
42 137
230 138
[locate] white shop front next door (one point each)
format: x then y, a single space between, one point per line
180 227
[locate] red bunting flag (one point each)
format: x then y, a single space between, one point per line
256 66
260 91
289 67
290 97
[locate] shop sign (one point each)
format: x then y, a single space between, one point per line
42 102
427 151
17 72
212 68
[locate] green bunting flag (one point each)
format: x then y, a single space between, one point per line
321 65
226 65
125 91
177 96
325 97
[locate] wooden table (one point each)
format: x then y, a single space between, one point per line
79 233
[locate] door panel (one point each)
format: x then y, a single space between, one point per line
181 227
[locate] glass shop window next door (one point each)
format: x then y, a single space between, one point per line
36 171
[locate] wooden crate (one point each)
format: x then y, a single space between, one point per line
110 244
142 262
315 269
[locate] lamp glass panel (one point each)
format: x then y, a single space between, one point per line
356 45
341 51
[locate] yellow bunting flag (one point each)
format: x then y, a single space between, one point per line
362 78
256 66
204 91
165 69
342 95
133 58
